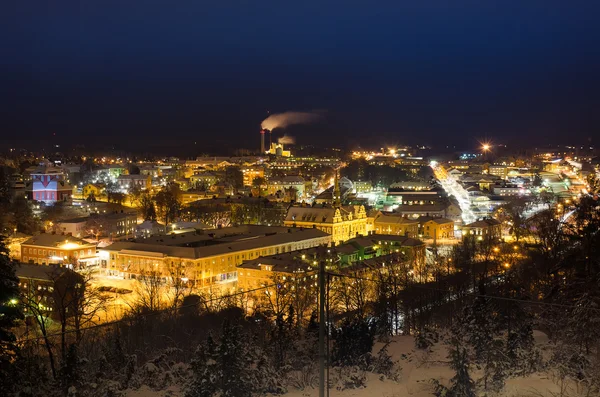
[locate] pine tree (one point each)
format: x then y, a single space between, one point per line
479 326
461 384
233 369
205 371
521 353
9 315
353 343
69 372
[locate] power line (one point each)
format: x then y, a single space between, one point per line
139 315
472 294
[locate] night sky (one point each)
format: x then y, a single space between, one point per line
141 73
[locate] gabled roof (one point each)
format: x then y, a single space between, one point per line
439 221
489 222
54 240
394 218
315 214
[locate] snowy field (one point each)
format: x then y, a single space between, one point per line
418 368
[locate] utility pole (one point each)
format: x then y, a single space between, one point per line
322 329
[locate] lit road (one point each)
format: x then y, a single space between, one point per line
453 188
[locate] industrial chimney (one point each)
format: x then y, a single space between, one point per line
262 141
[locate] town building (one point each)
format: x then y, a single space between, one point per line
252 172
483 228
356 254
204 180
341 222
448 209
50 248
393 223
93 189
40 285
115 224
435 228
509 190
48 184
127 182
278 150
149 228
501 171
281 184
362 186
74 226
205 259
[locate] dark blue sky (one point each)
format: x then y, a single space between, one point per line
433 71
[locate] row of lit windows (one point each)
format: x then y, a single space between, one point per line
40 287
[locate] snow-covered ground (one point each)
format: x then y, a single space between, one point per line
418 369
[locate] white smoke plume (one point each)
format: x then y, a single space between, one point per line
280 120
287 140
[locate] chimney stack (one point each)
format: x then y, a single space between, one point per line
262 142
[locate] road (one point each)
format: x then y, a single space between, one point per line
453 188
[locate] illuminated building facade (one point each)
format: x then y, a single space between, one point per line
341 222
49 185
204 260
47 248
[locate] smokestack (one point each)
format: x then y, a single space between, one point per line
262 142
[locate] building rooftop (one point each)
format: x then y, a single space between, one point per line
422 208
320 214
484 223
280 263
374 239
75 220
439 221
218 247
56 240
39 272
395 218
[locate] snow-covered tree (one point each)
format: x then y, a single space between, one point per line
9 315
461 384
353 342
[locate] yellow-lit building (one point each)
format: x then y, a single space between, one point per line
214 263
47 248
278 150
395 224
500 171
252 172
341 222
436 228
263 271
191 196
485 228
93 189
203 179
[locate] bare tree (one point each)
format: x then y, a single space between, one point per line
278 298
148 293
37 304
351 294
